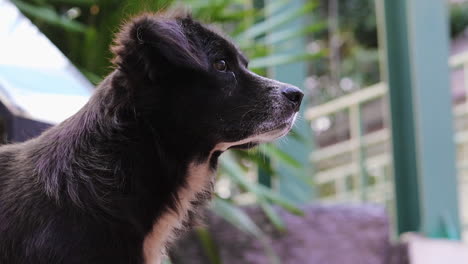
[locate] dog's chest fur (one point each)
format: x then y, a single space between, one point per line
199 183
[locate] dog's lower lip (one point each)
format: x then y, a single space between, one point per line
281 126
245 146
252 144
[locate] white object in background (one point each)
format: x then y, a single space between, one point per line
435 251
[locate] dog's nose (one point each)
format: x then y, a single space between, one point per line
294 95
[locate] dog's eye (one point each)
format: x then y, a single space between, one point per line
220 65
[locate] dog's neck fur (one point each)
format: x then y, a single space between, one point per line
154 199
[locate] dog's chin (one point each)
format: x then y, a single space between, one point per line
264 135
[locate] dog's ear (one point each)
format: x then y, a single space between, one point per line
150 42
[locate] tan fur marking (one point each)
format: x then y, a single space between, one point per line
162 232
198 178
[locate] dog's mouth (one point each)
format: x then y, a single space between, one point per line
266 134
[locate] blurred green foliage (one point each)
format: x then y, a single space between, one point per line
458 18
358 53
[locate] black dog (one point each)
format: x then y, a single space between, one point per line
116 182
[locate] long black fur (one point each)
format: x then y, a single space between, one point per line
90 189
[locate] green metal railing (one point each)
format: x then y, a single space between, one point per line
359 169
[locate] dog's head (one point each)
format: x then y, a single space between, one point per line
192 81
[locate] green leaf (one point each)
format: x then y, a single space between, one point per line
92 77
272 7
285 35
274 218
237 175
74 2
49 15
274 21
210 248
236 217
207 4
256 157
243 222
237 15
278 199
280 59
296 135
278 154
